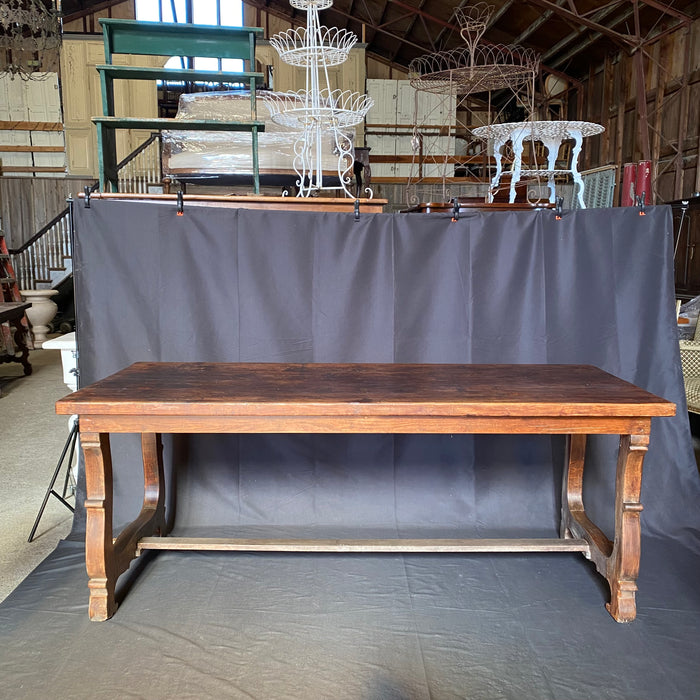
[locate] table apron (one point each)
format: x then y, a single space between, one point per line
549 425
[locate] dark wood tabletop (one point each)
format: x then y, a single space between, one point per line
252 389
12 309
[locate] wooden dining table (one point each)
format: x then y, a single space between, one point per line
153 398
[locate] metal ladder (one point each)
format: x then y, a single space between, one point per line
8 281
10 293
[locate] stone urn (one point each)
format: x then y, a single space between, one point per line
41 312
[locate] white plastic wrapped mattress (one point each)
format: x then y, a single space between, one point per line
207 154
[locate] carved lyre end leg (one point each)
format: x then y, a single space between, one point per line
572 483
151 519
154 481
622 605
623 564
102 604
99 550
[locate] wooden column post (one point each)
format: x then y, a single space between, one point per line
697 162
662 75
590 100
605 154
642 114
622 96
684 110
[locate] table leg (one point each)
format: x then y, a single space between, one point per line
552 145
623 563
617 561
498 157
20 337
154 481
574 521
577 136
572 483
99 548
107 558
21 334
517 141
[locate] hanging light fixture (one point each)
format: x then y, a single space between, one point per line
30 38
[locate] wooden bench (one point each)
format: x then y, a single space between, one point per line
156 398
168 39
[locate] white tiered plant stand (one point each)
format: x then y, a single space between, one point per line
317 110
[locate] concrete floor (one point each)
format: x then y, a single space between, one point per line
31 439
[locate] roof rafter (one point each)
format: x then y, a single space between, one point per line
420 12
536 24
376 28
624 39
440 38
576 34
668 10
415 19
396 20
90 10
611 4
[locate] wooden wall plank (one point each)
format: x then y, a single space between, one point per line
30 126
31 149
28 203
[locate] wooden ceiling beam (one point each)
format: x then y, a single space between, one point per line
368 13
603 14
441 37
393 35
668 10
575 50
396 20
90 10
609 6
536 24
425 15
499 13
414 19
428 34
623 39
629 13
372 26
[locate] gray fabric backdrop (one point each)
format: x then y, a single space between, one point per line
235 285
218 284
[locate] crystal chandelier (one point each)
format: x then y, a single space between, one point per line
30 38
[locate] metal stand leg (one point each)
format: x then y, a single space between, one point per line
70 444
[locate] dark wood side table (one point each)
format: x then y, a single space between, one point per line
12 312
155 398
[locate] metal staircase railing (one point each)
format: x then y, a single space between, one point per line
48 249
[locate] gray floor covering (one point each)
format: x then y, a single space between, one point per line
370 627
